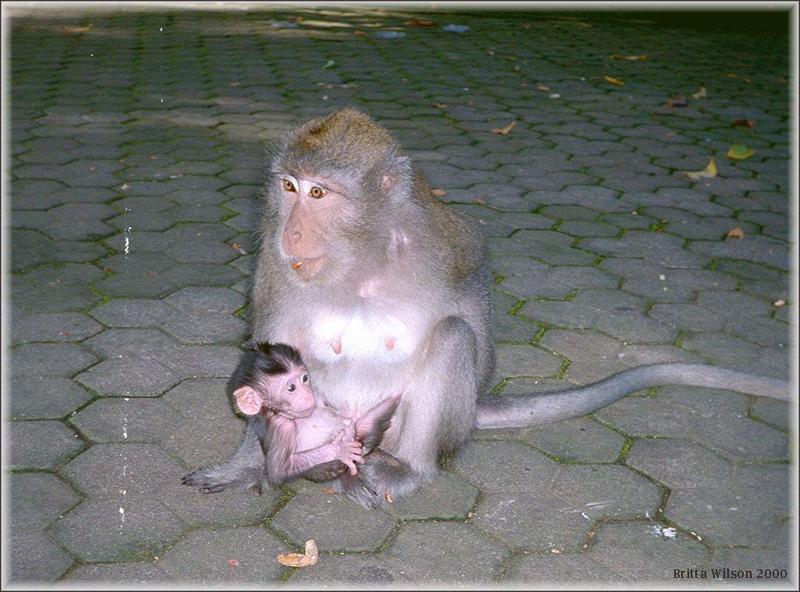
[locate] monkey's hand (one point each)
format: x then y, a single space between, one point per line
348 452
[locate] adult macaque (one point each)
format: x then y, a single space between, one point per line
383 288
304 437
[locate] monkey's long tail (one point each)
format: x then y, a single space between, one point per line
516 411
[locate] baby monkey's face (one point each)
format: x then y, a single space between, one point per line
290 393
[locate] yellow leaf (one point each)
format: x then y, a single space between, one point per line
700 94
631 58
707 173
309 558
438 192
504 131
614 81
740 152
737 233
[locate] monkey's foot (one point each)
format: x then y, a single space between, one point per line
217 479
380 479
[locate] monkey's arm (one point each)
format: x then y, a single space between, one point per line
285 463
371 426
526 410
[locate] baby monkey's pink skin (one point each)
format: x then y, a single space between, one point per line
305 436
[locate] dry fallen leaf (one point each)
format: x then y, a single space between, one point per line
700 93
779 303
421 23
75 30
631 58
748 123
542 87
233 563
479 201
504 131
328 490
614 81
441 105
438 192
361 33
307 559
238 247
739 152
707 173
736 233
388 497
677 101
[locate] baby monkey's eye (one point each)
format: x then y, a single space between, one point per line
304 378
291 388
288 185
316 192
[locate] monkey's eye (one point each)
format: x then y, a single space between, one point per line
317 192
304 378
288 185
291 388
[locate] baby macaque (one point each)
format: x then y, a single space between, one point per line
305 437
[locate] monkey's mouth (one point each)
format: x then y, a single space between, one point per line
306 267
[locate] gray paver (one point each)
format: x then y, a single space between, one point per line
336 523
206 556
42 444
422 554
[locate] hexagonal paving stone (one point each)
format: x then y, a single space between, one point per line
129 574
30 248
52 327
335 522
715 418
445 552
39 498
126 420
34 557
523 469
581 439
446 497
743 506
677 463
646 551
207 556
559 569
526 360
107 530
50 359
350 570
56 288
42 444
44 397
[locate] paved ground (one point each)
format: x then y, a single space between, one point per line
137 145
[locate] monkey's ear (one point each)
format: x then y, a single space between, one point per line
248 400
397 175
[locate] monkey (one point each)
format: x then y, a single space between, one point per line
304 437
380 286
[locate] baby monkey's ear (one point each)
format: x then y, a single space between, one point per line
248 400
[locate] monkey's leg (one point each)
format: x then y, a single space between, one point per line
438 410
244 470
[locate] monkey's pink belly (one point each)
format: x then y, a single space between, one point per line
321 427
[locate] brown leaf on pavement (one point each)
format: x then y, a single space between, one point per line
307 559
736 233
504 131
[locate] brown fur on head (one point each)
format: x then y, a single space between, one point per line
348 143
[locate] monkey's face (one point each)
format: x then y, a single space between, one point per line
315 215
290 392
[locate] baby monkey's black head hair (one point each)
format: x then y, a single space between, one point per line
264 358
